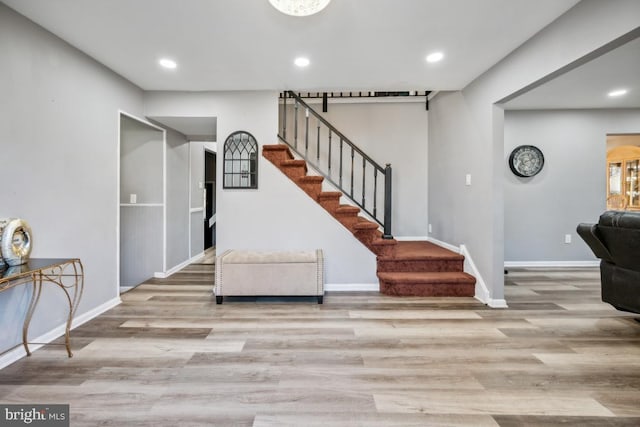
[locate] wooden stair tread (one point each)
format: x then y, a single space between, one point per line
347 209
365 225
444 278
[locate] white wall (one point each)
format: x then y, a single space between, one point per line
571 188
58 141
393 133
196 215
177 199
276 216
466 131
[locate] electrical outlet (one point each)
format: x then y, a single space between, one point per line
430 229
133 198
467 179
567 238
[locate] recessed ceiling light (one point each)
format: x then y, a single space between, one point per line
435 57
302 62
617 92
168 63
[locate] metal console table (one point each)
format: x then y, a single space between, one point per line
67 274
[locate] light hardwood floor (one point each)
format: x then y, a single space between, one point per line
169 356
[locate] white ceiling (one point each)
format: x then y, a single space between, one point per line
588 85
248 45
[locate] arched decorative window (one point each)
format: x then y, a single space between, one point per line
240 161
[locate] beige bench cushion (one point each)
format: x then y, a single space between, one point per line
254 273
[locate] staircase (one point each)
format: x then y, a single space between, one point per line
403 268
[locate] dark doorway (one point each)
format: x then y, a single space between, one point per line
210 199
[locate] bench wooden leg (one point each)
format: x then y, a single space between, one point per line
320 298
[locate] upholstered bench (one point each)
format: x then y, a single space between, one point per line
253 273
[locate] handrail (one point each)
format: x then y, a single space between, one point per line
344 166
334 130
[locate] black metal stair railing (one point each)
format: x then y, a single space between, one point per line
337 158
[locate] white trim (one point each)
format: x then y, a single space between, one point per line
196 257
142 205
445 245
131 116
194 210
164 200
119 133
189 191
159 275
550 264
19 352
482 291
126 289
410 238
352 287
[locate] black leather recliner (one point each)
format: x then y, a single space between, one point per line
615 239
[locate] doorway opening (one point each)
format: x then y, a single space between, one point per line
623 171
209 200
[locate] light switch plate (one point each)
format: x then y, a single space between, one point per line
133 198
467 179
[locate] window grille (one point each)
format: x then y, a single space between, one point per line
240 161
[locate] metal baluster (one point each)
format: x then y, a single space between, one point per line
329 152
364 165
387 202
295 126
340 163
306 133
352 171
375 193
284 115
318 146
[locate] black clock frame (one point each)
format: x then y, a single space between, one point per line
512 157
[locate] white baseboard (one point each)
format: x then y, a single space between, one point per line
160 275
445 245
19 352
352 287
410 238
550 264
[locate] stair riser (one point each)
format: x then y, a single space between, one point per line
312 189
276 157
347 219
382 250
420 265
427 289
366 236
330 205
294 172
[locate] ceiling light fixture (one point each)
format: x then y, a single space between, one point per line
168 63
299 7
302 62
435 57
617 92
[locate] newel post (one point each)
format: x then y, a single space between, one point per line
387 202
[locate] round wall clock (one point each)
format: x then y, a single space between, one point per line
526 161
